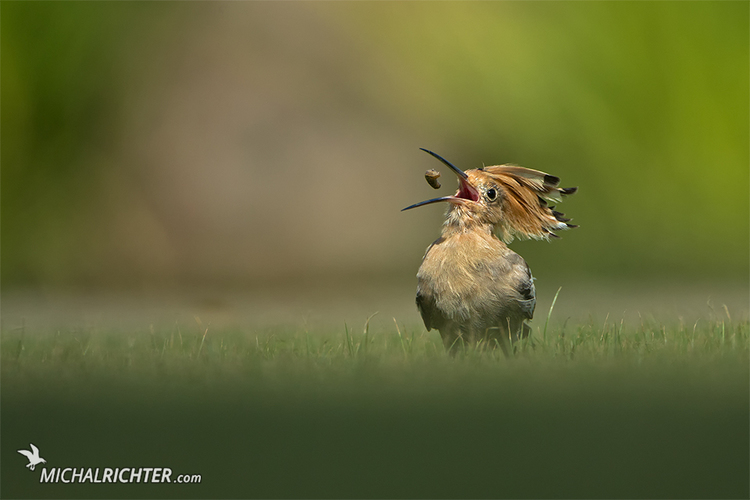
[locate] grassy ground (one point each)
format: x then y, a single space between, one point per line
582 410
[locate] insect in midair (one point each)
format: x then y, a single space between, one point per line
471 286
431 176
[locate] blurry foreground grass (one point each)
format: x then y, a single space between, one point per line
584 410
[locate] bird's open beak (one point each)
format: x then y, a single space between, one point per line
466 192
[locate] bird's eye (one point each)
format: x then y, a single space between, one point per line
491 194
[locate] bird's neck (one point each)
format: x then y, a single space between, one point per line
460 225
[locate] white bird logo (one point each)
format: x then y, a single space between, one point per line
33 456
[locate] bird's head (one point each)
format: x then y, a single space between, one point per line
512 200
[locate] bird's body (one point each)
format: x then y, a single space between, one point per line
33 457
471 286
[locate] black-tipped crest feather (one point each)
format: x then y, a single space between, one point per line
526 209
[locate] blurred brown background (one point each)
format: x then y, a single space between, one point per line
249 145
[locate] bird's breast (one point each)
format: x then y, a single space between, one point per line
467 274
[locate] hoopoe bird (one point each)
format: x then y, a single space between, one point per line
471 286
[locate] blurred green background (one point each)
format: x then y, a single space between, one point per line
177 169
177 143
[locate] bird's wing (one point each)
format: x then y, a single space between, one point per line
527 291
523 284
431 316
26 453
35 450
426 306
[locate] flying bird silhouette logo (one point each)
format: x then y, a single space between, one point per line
33 456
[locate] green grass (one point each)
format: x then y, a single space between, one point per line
586 410
198 350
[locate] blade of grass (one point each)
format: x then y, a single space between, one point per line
400 337
348 340
367 329
203 340
549 314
